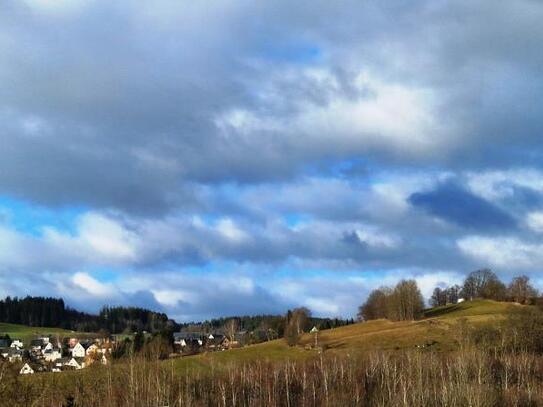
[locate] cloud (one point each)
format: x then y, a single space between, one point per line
507 253
453 203
188 139
92 286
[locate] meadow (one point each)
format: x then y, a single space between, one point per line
434 361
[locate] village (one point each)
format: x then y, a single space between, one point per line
55 354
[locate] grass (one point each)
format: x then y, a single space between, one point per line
349 344
27 333
470 309
436 331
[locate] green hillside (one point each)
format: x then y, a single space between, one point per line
436 331
26 333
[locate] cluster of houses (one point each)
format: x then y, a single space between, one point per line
47 355
191 342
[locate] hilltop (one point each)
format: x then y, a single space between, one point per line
435 330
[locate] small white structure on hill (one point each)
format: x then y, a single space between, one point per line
460 300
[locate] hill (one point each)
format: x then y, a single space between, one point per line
356 343
436 331
26 333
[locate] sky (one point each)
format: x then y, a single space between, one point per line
221 158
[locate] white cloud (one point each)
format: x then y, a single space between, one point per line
499 184
534 220
107 237
230 230
376 238
93 286
97 238
509 253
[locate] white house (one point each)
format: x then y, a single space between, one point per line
51 355
78 351
47 347
26 369
16 343
460 300
74 363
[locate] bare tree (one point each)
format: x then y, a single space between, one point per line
408 301
520 290
404 302
375 307
296 323
483 284
231 327
439 297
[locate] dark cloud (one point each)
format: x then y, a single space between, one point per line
123 100
261 135
453 203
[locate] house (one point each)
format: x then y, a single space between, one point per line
26 369
48 346
189 339
4 352
214 341
51 355
36 345
70 363
44 340
4 343
78 351
16 343
76 363
460 300
14 355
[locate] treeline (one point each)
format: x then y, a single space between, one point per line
486 284
405 302
265 323
43 311
399 303
53 312
133 319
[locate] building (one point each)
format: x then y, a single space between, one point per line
52 354
78 350
26 369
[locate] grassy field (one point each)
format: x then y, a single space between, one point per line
27 333
408 349
436 331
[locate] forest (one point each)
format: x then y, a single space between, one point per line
53 313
